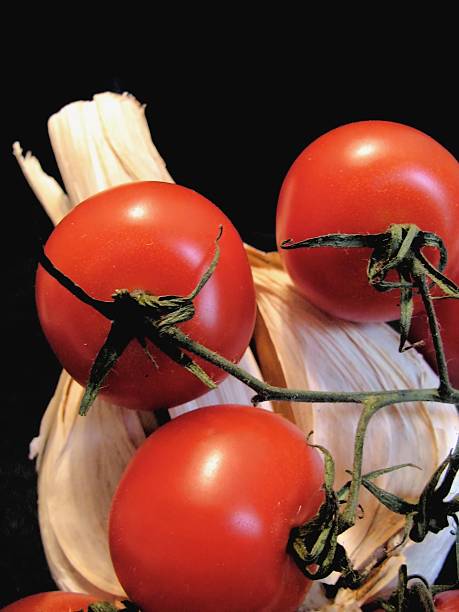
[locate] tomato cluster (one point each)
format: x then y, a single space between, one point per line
219 490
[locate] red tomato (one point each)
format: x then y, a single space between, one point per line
160 238
360 178
56 601
202 516
448 317
447 602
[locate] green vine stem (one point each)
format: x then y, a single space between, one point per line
267 392
370 407
105 606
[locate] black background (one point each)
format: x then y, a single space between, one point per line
230 130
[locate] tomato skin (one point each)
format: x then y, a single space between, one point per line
447 601
447 312
201 518
160 238
360 178
55 601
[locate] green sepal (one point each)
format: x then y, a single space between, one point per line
416 598
316 542
373 475
169 348
406 310
339 241
431 513
117 340
102 606
392 502
449 288
211 269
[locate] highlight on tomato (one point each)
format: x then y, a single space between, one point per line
357 179
160 238
53 601
202 516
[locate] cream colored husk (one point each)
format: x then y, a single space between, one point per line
106 142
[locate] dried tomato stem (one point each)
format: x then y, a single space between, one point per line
445 384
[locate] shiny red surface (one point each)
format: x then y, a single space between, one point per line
360 178
160 238
202 515
56 601
447 602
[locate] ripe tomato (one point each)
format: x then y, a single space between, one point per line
448 316
202 515
56 601
360 178
160 238
447 601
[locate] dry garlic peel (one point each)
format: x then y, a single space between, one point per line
104 143
47 189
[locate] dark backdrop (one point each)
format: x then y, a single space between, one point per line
230 132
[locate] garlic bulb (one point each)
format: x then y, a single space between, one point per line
106 142
97 145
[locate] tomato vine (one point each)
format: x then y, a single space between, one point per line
398 249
